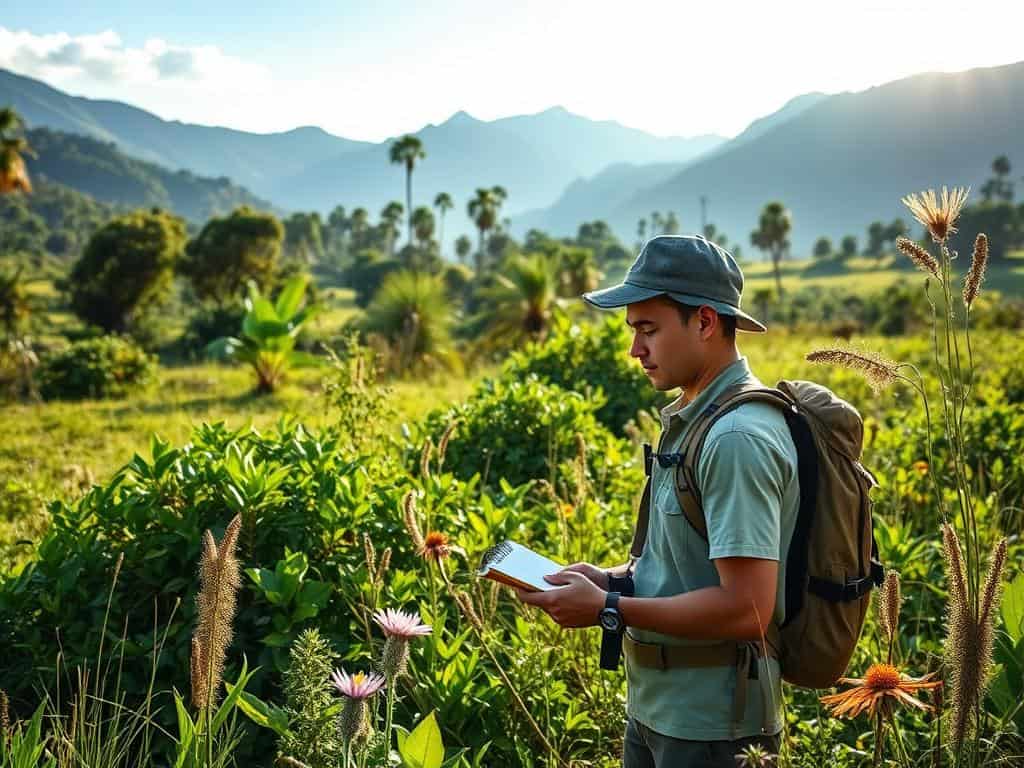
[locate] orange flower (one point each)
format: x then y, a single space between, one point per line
921 467
882 683
435 546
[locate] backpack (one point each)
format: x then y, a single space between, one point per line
832 564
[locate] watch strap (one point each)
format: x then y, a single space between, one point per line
611 642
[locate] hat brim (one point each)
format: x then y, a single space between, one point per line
624 294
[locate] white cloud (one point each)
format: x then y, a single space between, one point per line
103 59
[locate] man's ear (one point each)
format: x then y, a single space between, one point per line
708 319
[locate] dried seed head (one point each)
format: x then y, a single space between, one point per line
382 569
369 554
889 609
979 259
5 714
993 582
353 723
395 659
435 546
920 256
220 578
442 446
938 215
412 526
425 456
879 371
962 651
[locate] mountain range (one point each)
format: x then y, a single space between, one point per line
836 161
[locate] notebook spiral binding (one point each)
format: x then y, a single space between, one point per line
496 554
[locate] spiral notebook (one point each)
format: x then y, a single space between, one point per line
517 566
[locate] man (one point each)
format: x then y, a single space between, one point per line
687 707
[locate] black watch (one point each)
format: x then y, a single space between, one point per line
612 627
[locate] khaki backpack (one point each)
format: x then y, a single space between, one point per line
832 564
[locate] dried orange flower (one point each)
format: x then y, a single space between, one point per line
938 215
882 685
435 546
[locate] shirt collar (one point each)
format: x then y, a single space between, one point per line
731 374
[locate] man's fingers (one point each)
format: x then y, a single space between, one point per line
565 577
532 598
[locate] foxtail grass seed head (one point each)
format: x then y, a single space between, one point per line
993 582
5 714
962 649
889 609
220 578
382 568
979 259
920 256
412 526
938 214
425 455
879 371
370 555
442 446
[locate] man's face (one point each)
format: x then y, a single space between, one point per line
671 352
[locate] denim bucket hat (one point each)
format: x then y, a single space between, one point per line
687 268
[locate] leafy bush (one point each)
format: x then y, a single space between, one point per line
103 367
521 430
590 358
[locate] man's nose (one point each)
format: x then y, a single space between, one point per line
637 349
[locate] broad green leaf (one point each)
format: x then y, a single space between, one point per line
291 296
1013 608
262 713
231 699
423 747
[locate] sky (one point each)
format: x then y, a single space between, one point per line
375 70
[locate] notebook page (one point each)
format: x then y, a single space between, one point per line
526 566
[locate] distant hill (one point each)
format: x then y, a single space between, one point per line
102 171
53 219
535 157
254 160
847 159
587 199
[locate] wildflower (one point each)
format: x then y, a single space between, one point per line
879 371
220 577
755 756
921 258
882 684
359 686
977 274
353 723
435 546
400 627
921 467
937 216
401 624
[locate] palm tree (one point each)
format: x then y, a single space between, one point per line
520 304
772 236
389 218
463 245
410 312
13 175
358 223
656 223
671 224
406 151
483 210
578 273
423 226
443 203
641 232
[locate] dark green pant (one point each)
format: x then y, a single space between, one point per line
643 748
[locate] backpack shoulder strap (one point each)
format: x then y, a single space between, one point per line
686 486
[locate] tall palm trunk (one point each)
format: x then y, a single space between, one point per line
440 236
480 254
408 197
776 262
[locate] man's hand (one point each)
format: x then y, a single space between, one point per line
597 575
575 603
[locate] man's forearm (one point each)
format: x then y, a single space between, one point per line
712 613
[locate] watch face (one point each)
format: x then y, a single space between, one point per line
610 620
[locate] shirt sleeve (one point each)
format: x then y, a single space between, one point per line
742 482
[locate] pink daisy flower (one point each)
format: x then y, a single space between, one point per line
401 624
357 686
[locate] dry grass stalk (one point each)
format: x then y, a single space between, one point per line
963 653
5 714
879 371
465 604
979 259
938 215
442 446
412 526
220 577
382 568
921 258
370 555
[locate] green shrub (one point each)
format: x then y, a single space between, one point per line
521 430
587 359
103 367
